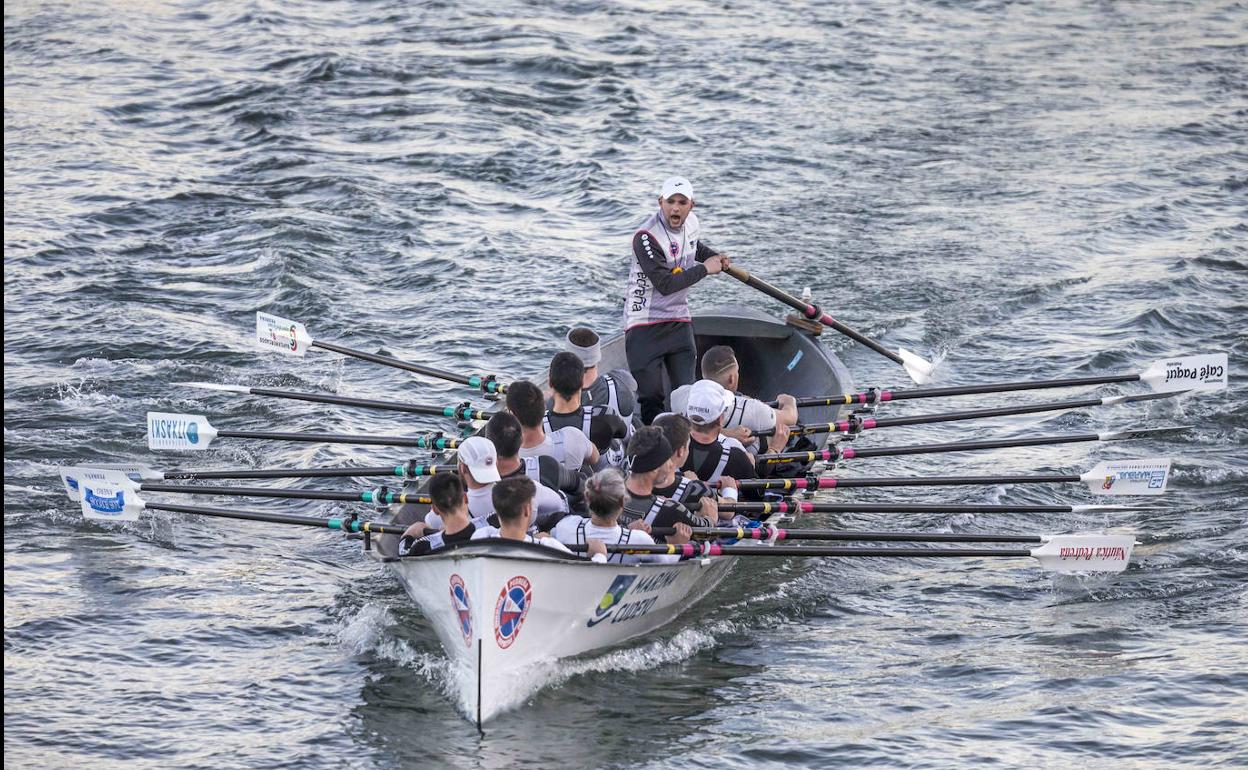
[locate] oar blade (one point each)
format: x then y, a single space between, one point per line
1085 553
109 496
281 334
1139 433
216 386
919 368
191 432
1203 372
1129 477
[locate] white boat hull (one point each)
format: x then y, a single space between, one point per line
501 617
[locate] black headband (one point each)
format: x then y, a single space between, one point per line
650 460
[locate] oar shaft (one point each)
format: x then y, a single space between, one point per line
848 453
408 470
810 311
462 412
875 396
765 533
347 525
714 549
380 496
487 384
902 481
421 442
791 505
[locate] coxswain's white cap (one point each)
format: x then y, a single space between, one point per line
591 354
676 185
479 454
708 400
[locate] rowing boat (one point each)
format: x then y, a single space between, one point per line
500 608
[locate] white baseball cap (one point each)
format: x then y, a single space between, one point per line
479 454
676 185
708 400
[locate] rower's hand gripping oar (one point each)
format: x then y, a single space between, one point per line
838 452
292 338
461 412
919 369
1062 553
1112 477
194 433
1205 372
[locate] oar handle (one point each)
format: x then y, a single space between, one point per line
811 311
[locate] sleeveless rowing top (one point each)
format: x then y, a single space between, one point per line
675 249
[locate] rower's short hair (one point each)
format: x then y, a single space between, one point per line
510 495
604 492
567 371
503 430
716 361
583 337
676 427
525 401
446 490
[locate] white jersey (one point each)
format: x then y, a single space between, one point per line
746 411
549 542
567 445
577 530
481 504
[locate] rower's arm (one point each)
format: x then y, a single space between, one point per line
704 252
666 281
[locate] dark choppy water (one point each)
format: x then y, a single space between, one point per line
1033 189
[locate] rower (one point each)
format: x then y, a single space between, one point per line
686 488
503 431
606 493
600 425
567 445
647 453
450 505
512 499
479 468
711 454
616 389
746 416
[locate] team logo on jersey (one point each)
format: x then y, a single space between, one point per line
609 600
509 612
460 603
674 248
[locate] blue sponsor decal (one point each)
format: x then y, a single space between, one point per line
102 504
796 358
72 482
192 433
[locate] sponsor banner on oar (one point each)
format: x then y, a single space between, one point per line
1129 477
178 431
282 334
106 495
1204 372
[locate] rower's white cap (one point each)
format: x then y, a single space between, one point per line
479 454
708 400
676 185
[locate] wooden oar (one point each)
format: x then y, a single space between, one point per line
462 412
1206 371
838 452
1117 477
75 479
193 432
1061 553
292 338
919 369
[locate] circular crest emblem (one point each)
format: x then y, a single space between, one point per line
509 612
460 603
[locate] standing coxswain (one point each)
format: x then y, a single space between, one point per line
668 257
